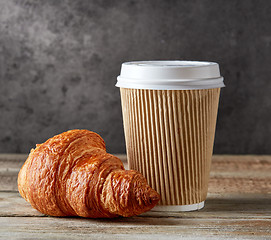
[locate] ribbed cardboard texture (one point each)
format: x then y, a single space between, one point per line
169 139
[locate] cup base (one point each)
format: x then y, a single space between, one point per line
178 208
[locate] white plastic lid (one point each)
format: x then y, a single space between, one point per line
170 75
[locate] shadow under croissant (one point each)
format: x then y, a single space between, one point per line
219 207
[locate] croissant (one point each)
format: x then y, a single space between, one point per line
71 174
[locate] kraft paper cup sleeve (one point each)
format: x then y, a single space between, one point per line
169 137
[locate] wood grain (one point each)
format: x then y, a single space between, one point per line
133 228
226 216
229 173
238 206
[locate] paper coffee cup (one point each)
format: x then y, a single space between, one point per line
169 115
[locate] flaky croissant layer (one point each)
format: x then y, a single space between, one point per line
71 174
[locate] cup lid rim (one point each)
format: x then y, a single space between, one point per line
171 63
169 74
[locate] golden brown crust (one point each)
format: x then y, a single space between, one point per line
127 193
72 174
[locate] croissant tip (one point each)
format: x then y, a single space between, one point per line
154 197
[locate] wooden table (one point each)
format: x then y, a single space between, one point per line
238 206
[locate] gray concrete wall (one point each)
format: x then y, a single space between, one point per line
59 61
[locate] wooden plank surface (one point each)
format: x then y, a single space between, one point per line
238 206
226 216
229 173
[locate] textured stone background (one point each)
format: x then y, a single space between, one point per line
59 61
